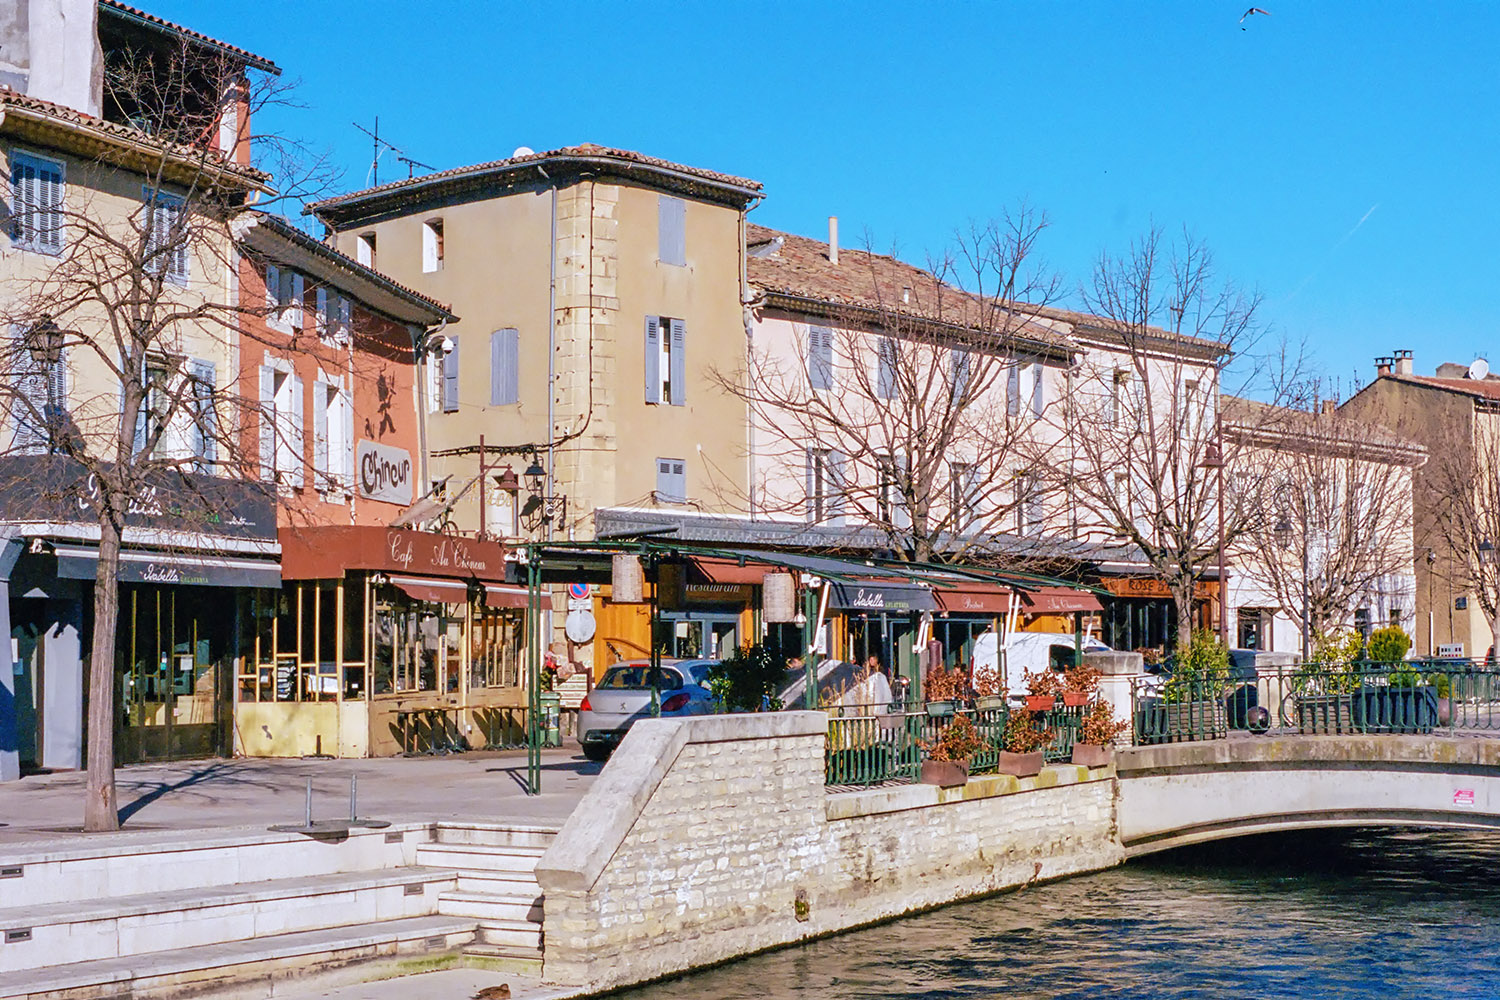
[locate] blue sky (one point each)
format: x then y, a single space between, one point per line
1339 157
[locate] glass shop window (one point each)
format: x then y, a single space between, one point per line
354 638
495 648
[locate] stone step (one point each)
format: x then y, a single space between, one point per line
252 966
122 926
486 906
129 863
494 834
483 857
499 883
513 959
520 937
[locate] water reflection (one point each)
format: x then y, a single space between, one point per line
1340 914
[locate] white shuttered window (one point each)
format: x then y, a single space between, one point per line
37 187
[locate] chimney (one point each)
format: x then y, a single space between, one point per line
833 239
1330 405
1383 366
1403 362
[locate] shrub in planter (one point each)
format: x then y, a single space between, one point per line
1080 685
1025 738
1097 735
1389 644
1042 689
949 755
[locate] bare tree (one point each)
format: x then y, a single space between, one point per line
1335 509
142 281
1144 452
899 408
1461 493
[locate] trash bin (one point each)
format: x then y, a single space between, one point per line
551 719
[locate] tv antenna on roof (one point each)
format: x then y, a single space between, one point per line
381 146
411 165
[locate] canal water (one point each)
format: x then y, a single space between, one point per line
1342 914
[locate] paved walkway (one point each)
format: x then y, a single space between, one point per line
195 795
449 984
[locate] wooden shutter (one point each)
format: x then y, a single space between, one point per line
1013 389
294 433
344 324
346 415
653 359
1038 389
204 376
273 289
268 423
679 362
320 435
812 485
671 215
820 357
298 287
958 360
505 381
450 378
838 469
29 406
885 375
324 321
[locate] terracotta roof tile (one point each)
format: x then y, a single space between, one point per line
1489 388
60 112
135 13
624 157
800 269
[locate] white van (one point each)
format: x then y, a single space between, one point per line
1029 651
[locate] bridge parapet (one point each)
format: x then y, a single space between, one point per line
1185 793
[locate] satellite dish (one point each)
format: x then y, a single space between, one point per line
1479 368
523 151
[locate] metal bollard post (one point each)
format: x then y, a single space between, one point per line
308 823
353 797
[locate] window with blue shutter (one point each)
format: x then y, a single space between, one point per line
820 357
671 480
37 188
677 389
653 359
885 373
450 378
204 377
959 366
671 230
505 377
167 236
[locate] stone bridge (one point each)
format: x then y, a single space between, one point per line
1188 793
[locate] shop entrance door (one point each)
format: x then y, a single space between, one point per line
172 650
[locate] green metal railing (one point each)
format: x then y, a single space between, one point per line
1407 697
871 744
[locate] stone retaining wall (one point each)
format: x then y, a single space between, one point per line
712 838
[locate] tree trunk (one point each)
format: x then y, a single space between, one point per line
100 810
1183 598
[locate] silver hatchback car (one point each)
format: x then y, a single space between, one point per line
625 693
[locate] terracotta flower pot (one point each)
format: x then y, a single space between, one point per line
1093 755
1022 765
1076 699
1040 702
944 773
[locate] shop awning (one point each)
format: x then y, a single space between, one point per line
423 588
728 571
975 598
78 562
1052 600
881 595
496 596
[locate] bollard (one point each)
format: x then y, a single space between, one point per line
353 797
308 822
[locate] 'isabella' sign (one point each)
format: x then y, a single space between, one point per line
384 472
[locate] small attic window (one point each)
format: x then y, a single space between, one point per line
432 245
364 249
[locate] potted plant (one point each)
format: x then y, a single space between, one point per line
1194 706
1442 686
1042 688
1096 736
1080 685
948 757
1405 703
1025 737
988 694
942 690
1322 688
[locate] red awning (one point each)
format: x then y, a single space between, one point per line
1051 600
424 588
974 598
729 571
510 597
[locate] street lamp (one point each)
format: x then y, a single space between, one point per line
44 342
1283 532
539 508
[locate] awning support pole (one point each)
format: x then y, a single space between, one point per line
533 673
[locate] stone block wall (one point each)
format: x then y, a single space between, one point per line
712 838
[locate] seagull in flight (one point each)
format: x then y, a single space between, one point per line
1252 10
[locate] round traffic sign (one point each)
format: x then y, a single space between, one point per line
579 626
578 591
